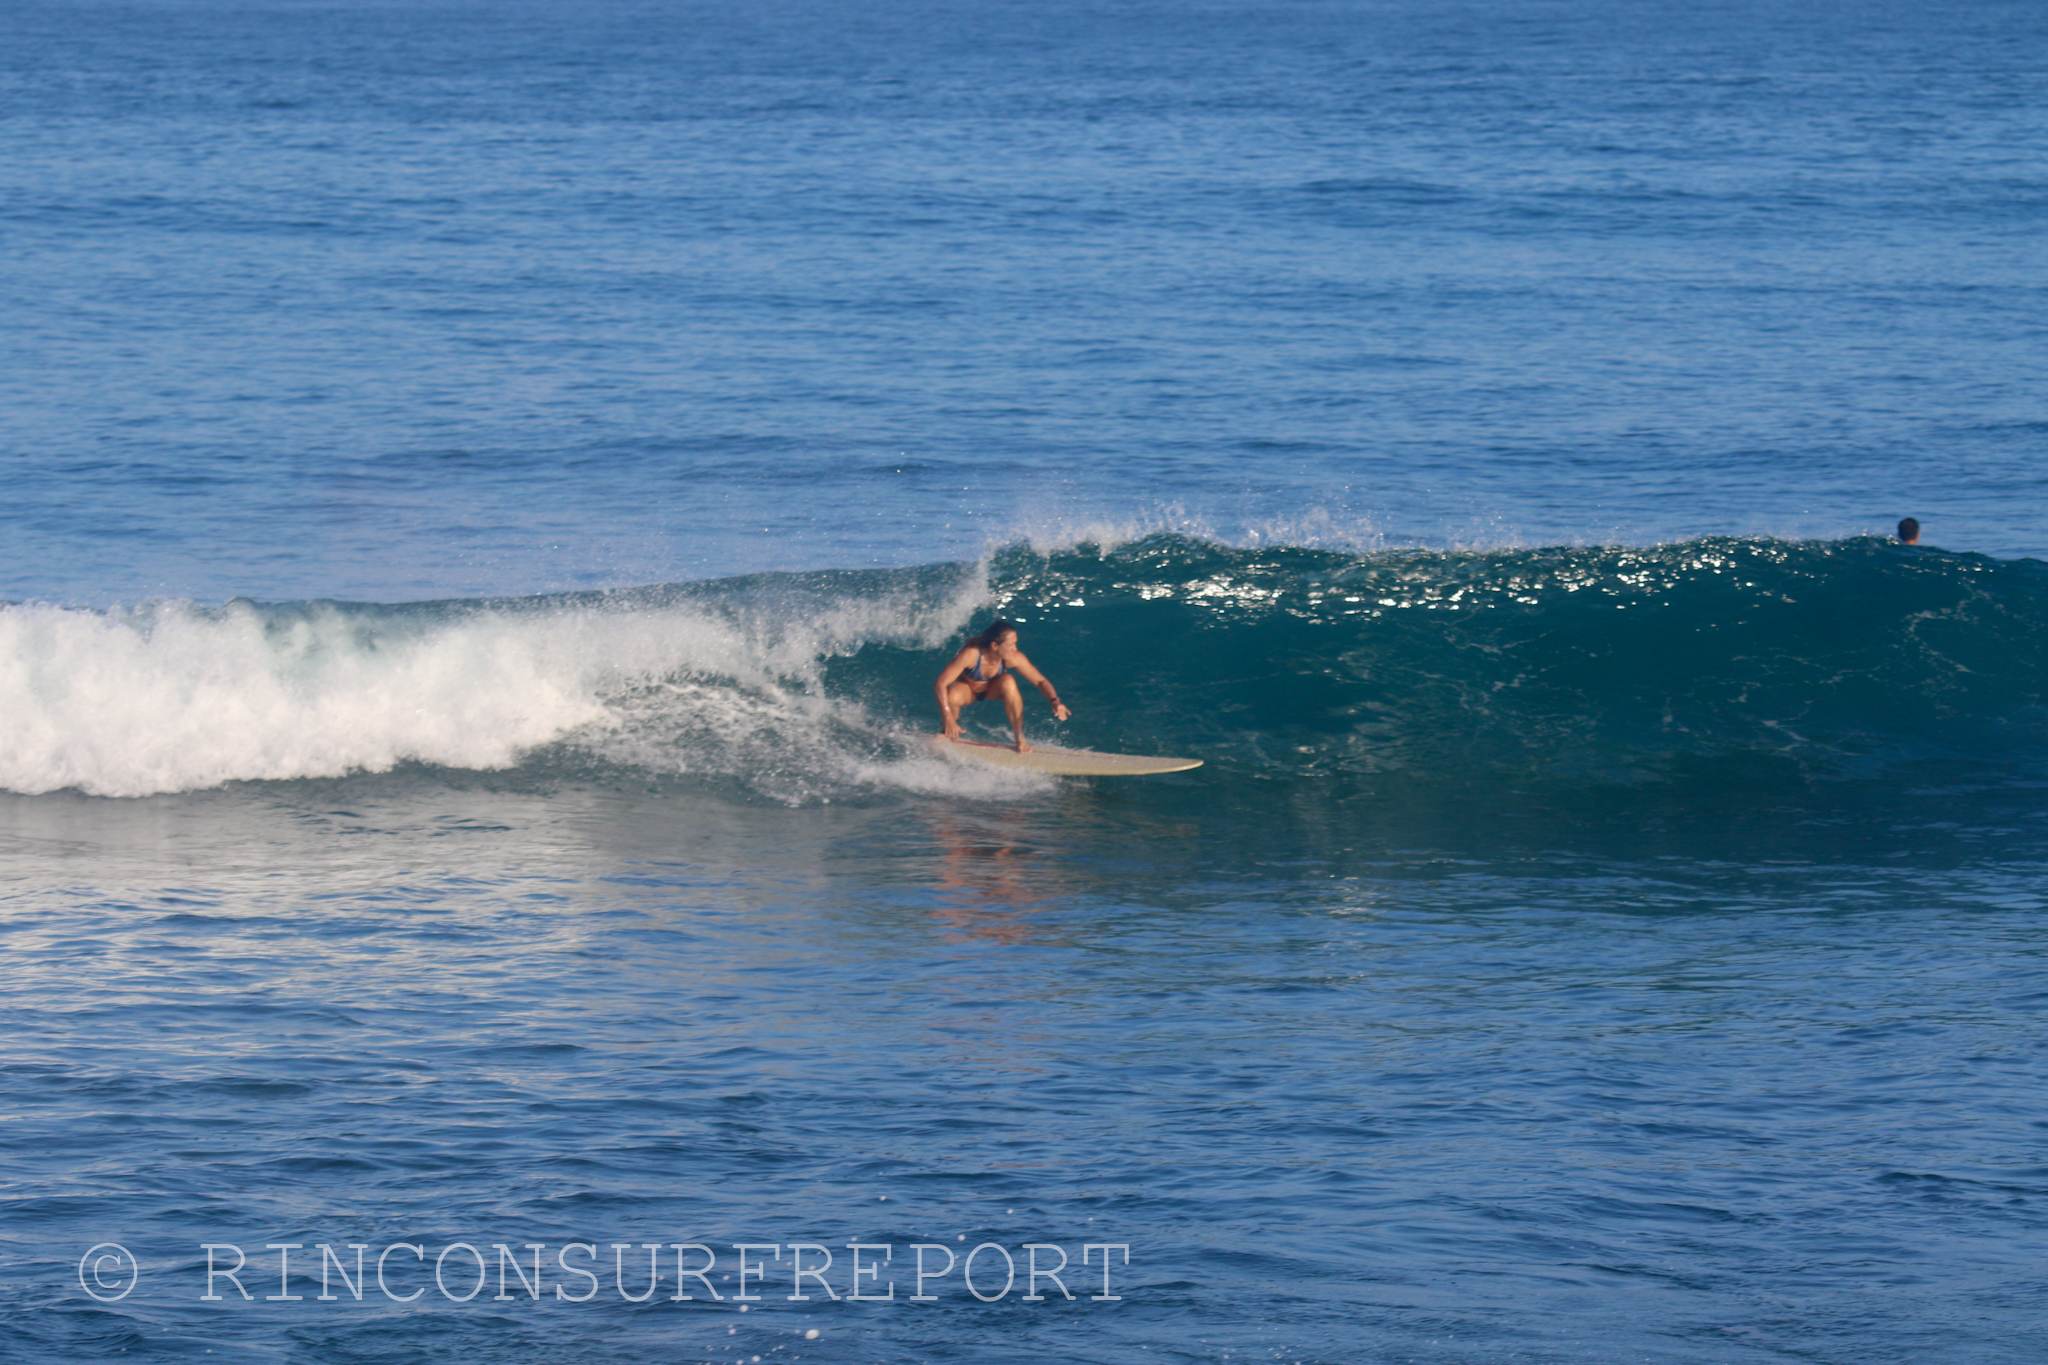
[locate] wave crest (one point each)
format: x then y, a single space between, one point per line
1839 659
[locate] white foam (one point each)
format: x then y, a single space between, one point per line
169 697
921 770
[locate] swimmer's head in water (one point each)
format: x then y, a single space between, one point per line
993 636
1909 531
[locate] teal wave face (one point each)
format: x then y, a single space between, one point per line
1716 675
1805 662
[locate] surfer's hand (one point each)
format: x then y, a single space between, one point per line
1060 711
951 728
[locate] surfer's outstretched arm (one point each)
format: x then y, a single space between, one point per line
1023 669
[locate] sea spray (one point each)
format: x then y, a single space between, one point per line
1822 661
168 697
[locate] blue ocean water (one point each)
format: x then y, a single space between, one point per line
491 486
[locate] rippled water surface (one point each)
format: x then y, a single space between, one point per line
1525 1107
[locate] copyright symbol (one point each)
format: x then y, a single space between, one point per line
105 1262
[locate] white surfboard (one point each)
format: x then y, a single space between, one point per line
1041 758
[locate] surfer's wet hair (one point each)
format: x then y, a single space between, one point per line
995 632
1909 530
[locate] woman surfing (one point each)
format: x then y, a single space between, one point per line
989 666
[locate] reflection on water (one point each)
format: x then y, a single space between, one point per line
989 871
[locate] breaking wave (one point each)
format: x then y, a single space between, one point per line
1818 661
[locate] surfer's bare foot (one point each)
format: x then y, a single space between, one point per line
1022 747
